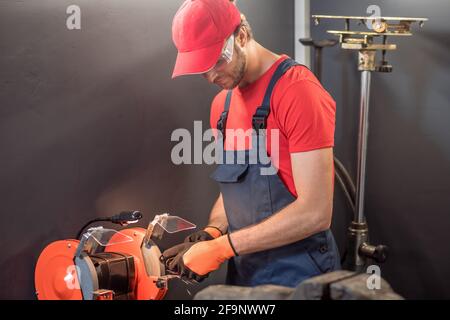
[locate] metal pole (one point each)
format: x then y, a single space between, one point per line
362 145
318 63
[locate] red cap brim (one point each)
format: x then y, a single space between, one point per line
198 61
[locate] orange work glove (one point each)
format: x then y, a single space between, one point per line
206 256
208 233
196 260
170 256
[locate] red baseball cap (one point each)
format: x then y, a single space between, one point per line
199 30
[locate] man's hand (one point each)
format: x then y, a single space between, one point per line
209 233
173 261
195 260
169 255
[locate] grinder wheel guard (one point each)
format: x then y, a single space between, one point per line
124 267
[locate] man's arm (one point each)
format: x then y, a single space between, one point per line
308 214
217 217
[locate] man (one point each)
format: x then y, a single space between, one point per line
272 228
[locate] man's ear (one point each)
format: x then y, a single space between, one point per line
242 37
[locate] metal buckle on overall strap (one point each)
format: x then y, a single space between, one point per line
259 123
221 123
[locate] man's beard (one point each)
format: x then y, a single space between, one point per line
239 70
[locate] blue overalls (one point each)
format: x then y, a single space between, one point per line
250 197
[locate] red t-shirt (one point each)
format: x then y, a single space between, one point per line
300 108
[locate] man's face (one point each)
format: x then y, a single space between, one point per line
229 75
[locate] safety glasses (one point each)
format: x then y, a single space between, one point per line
227 54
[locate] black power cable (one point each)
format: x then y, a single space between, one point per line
123 218
346 182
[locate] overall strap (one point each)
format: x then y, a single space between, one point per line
222 122
259 120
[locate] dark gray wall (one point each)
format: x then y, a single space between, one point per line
86 118
408 177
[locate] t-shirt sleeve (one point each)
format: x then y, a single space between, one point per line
306 115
